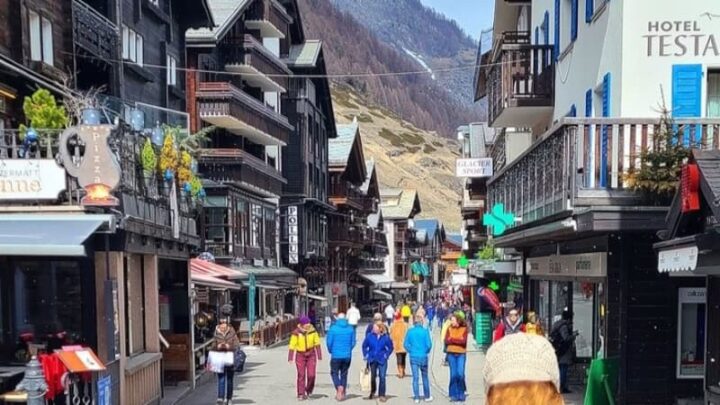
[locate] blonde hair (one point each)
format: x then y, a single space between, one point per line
524 393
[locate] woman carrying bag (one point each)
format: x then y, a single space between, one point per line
222 359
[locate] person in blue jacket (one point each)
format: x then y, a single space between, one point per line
377 348
340 343
418 346
430 313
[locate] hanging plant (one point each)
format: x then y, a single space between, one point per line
185 167
149 158
168 156
195 186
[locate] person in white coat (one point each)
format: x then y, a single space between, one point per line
353 315
389 313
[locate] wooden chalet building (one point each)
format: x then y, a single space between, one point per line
304 200
399 208
431 251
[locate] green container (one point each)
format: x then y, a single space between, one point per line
602 382
483 329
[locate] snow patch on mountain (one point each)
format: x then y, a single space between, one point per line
418 58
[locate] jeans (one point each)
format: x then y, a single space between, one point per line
339 372
457 376
563 376
389 321
430 322
226 383
420 367
378 370
306 364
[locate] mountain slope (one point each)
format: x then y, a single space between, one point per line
405 155
433 39
350 48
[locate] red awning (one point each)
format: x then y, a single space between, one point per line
213 282
198 266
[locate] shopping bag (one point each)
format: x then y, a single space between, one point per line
217 361
365 379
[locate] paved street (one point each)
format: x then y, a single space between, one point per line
269 378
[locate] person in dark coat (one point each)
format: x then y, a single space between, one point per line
562 338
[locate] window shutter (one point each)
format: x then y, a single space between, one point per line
556 45
574 20
605 130
588 103
687 96
537 35
573 111
606 95
589 10
546 28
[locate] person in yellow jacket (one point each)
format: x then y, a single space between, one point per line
398 330
443 333
406 312
305 349
533 326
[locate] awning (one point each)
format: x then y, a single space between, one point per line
316 297
212 269
213 282
50 234
271 285
678 259
383 294
400 285
263 272
377 279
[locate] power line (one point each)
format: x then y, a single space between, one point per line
310 76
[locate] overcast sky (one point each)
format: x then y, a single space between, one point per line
472 15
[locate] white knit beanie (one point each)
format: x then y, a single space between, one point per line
521 357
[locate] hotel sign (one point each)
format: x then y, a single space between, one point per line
474 168
30 179
682 38
586 265
293 235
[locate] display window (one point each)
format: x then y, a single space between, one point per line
691 333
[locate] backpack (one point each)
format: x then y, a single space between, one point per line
560 345
239 360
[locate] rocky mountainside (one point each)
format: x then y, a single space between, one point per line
406 156
369 65
432 40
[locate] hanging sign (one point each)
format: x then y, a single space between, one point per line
292 218
474 168
498 219
30 179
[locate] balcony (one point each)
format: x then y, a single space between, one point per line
256 64
226 106
344 193
269 17
342 235
471 206
579 165
94 32
520 82
239 167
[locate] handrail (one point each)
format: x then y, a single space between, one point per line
87 8
215 89
255 44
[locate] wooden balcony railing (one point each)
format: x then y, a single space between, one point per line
346 193
240 167
268 12
583 162
94 32
222 99
249 52
522 75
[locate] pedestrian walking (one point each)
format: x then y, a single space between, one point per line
389 313
406 312
418 345
509 325
533 326
443 332
522 369
563 341
340 344
376 318
226 340
456 341
377 348
304 350
420 311
353 315
430 310
398 330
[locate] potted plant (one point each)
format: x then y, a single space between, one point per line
168 161
42 113
149 164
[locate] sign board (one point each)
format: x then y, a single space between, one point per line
585 265
680 259
474 168
104 387
30 179
498 219
82 360
293 235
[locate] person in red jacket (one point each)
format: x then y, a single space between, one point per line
509 325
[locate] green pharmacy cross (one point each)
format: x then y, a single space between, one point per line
463 262
494 286
498 219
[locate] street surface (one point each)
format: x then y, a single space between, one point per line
269 379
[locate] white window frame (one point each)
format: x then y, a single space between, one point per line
132 46
41 39
171 70
696 295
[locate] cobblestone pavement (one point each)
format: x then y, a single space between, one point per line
270 379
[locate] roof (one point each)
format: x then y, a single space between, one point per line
370 170
455 239
339 148
404 205
428 225
224 14
305 54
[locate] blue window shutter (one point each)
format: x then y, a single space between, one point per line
546 26
606 97
573 111
574 21
589 10
687 96
556 45
588 103
537 35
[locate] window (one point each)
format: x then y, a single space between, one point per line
217 232
593 7
713 94
691 333
132 46
256 225
171 70
41 39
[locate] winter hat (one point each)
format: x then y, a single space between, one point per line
521 357
460 315
304 320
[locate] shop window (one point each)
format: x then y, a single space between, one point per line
713 94
171 72
270 230
583 301
541 292
691 333
241 222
